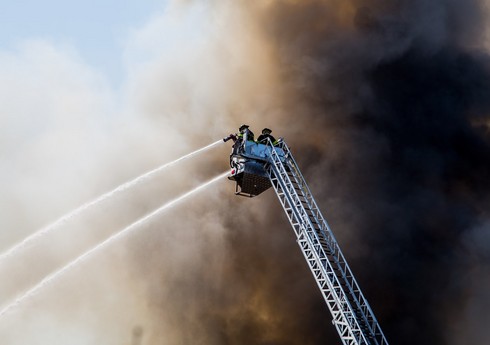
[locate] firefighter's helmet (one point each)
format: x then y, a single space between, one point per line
243 127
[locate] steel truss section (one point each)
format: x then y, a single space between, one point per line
352 316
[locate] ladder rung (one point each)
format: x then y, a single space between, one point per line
323 254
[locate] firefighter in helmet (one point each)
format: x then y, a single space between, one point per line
266 133
244 129
238 138
241 133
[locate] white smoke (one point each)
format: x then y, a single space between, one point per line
66 137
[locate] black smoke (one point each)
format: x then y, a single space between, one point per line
403 91
387 107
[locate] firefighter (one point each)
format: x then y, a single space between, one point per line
238 139
239 136
266 133
244 129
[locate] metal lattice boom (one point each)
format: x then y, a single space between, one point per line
352 316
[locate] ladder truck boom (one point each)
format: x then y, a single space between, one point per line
258 166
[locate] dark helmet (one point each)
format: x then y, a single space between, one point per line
243 127
266 131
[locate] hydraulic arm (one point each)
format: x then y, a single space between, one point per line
256 167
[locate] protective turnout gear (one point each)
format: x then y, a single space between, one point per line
244 129
266 133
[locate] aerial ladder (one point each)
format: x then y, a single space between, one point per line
255 167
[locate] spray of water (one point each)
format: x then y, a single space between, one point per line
50 278
43 231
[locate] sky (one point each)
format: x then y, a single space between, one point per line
97 31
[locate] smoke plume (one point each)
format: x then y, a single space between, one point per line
401 92
385 105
